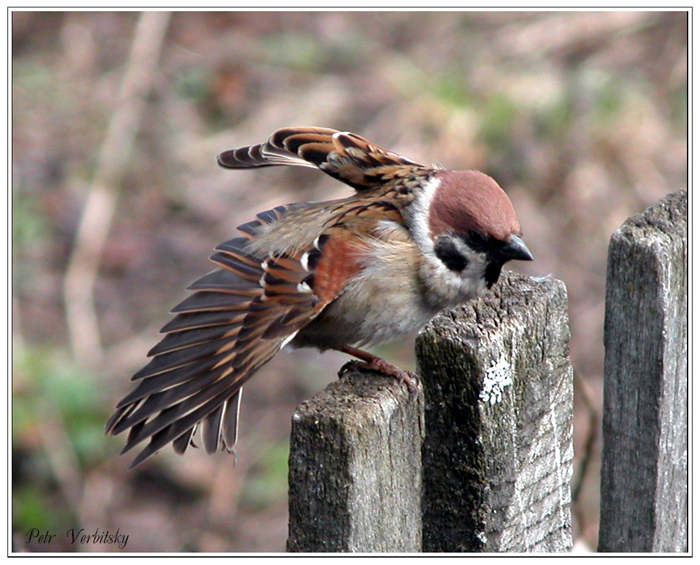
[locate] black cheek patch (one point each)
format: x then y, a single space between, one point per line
450 255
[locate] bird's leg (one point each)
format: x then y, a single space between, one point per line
372 362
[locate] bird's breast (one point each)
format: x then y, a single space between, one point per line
382 302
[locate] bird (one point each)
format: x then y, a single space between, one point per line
342 275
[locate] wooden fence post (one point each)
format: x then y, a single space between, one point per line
355 468
497 457
644 490
494 470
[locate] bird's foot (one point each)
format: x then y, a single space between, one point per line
375 364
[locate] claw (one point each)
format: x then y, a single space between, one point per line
370 362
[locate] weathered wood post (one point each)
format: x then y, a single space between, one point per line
494 470
355 468
497 457
644 490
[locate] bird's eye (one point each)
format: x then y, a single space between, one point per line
476 240
448 253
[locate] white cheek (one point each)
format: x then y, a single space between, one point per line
474 273
420 215
449 288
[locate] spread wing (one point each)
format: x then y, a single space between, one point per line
237 319
345 156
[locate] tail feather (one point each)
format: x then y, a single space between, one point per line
229 425
211 430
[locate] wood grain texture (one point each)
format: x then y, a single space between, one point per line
644 493
498 451
355 468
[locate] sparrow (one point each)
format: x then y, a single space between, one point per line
341 274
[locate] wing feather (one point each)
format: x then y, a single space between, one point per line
181 444
236 319
345 156
189 321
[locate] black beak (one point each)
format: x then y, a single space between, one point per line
516 249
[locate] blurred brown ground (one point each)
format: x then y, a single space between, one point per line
580 116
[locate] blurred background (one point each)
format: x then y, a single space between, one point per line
117 203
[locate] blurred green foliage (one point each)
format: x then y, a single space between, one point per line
57 416
29 226
32 508
267 480
66 395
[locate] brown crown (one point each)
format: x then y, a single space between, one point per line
470 200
